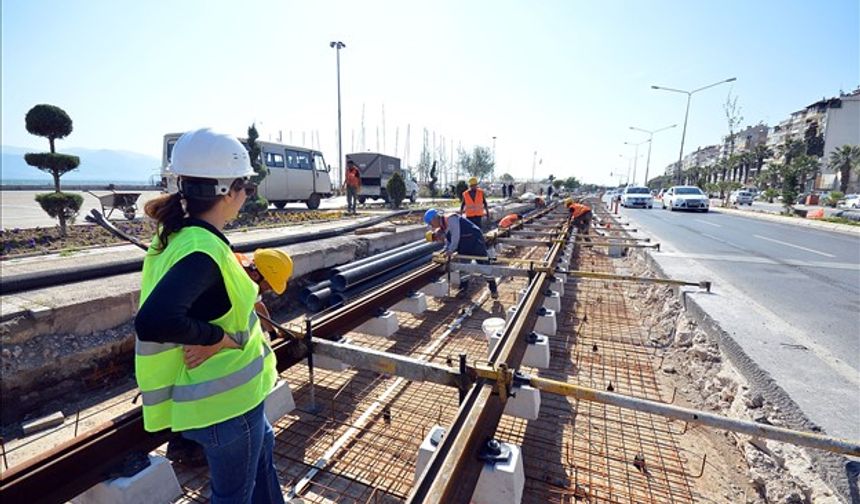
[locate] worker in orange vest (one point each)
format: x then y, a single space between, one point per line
580 215
352 184
474 205
509 220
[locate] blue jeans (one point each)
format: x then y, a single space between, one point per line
239 452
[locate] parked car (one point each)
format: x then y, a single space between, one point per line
635 196
741 197
685 198
849 201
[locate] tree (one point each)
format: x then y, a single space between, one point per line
433 179
461 187
814 140
557 183
733 118
396 190
792 173
53 123
258 204
480 163
844 160
571 183
506 178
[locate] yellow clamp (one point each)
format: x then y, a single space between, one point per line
502 375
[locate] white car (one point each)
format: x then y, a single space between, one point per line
741 197
685 198
849 201
634 196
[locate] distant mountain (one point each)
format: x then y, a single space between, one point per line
96 165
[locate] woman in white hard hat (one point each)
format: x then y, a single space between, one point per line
202 363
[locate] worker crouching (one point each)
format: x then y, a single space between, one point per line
202 361
460 235
580 216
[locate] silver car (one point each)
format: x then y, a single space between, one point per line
634 196
741 197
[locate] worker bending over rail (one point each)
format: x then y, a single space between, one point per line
202 362
580 215
509 220
460 235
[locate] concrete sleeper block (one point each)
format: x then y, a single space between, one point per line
415 304
552 301
280 401
384 325
546 323
437 289
155 483
524 404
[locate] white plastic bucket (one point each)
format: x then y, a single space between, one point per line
492 325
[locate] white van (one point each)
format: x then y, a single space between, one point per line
296 174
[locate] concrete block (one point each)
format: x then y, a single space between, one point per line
437 289
616 251
552 301
280 401
521 294
525 403
537 351
562 277
384 325
546 323
454 277
502 482
52 420
510 313
329 363
428 446
556 284
415 304
156 483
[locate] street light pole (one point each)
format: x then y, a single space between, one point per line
534 164
337 46
687 115
650 142
635 156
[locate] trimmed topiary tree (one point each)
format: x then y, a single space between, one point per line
53 123
258 204
396 190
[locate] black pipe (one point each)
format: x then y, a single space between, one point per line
343 281
356 289
42 279
310 289
369 259
319 299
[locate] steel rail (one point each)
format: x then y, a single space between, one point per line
452 472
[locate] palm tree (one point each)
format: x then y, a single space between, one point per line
845 159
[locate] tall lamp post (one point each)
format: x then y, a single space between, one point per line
650 142
635 156
494 159
687 115
337 46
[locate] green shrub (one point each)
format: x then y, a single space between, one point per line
58 204
833 198
462 187
396 189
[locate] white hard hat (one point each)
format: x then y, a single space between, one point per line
204 153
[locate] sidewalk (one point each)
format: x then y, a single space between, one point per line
756 213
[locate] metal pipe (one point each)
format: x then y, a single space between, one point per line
608 276
520 242
488 270
357 288
343 281
373 258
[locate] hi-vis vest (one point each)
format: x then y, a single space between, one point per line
577 209
474 207
229 383
508 221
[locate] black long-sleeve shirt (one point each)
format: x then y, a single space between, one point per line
190 294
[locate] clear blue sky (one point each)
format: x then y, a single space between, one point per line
563 78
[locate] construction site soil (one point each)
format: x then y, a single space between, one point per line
361 442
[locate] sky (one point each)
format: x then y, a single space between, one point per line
563 79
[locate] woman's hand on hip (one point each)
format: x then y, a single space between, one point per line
198 354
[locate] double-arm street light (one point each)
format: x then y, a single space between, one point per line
635 156
650 142
337 46
687 115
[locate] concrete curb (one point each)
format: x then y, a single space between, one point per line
796 221
838 471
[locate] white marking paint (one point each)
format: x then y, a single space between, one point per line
764 260
708 223
825 254
706 235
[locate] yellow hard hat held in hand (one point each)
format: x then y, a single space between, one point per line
473 181
276 266
428 236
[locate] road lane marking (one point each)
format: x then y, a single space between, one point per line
730 244
762 260
825 254
708 223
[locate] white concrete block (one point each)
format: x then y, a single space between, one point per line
556 285
414 304
537 351
492 342
546 323
156 483
428 446
562 277
521 294
384 325
454 277
46 422
525 403
510 313
437 289
280 401
502 482
552 301
616 251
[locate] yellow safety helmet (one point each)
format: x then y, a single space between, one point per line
428 236
568 201
276 266
473 181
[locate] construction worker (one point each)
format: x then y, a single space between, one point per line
352 184
460 235
580 215
270 269
509 220
202 362
539 202
474 205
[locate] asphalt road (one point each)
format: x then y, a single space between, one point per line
789 295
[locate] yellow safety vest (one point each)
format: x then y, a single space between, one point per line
474 207
229 383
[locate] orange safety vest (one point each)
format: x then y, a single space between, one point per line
474 208
353 177
508 221
576 209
